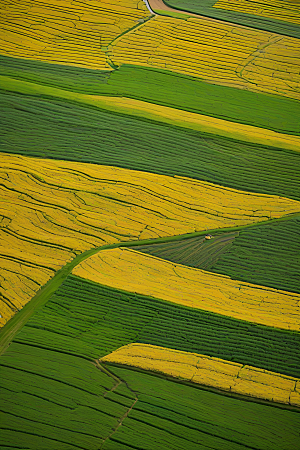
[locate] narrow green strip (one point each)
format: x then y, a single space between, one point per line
11 328
206 8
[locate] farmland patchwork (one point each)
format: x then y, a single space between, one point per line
149 225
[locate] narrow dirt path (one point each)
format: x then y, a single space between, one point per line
117 381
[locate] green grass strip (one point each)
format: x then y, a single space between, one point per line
14 325
157 86
90 320
58 129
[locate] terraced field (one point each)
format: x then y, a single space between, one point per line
149 225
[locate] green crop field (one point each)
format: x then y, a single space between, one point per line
91 320
266 254
49 368
207 8
51 128
150 225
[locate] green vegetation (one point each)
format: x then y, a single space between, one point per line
176 417
54 396
268 255
75 79
205 8
56 129
89 320
194 252
51 400
158 86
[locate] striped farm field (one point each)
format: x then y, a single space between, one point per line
271 15
256 254
217 52
69 207
159 113
150 409
288 11
90 320
213 372
187 286
66 32
149 225
187 153
156 86
85 320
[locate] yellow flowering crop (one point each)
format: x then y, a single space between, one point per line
52 210
209 371
218 52
288 11
66 32
148 275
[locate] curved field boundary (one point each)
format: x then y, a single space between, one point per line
55 210
199 252
222 54
195 288
209 371
158 113
11 328
67 208
210 10
66 32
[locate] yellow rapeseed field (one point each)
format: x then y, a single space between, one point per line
218 52
52 210
130 270
288 11
66 31
209 371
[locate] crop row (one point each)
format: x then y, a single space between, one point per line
145 274
266 254
194 252
66 32
78 133
67 208
53 400
261 110
213 372
217 52
274 9
176 416
257 17
111 318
